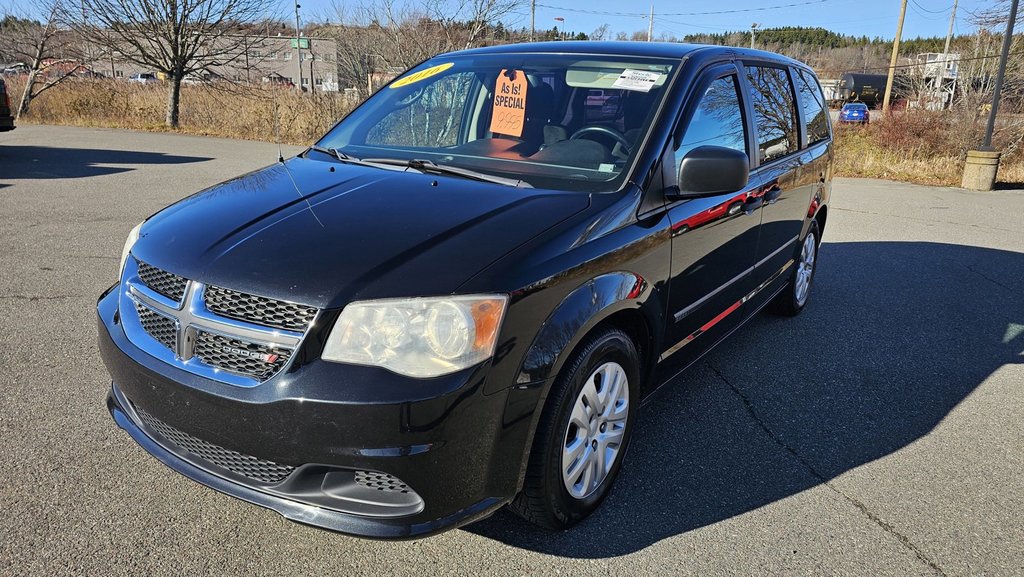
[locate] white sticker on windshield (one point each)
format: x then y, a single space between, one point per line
637 80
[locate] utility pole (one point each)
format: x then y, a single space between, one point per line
298 47
1007 41
894 58
982 165
949 35
312 58
753 29
650 25
533 14
945 56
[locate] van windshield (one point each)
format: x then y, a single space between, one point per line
562 121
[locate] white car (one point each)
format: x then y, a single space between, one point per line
143 78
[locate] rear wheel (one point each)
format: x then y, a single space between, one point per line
583 433
794 297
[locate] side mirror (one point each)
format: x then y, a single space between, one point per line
707 170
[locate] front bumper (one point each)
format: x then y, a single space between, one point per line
327 421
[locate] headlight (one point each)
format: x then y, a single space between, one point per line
420 337
132 237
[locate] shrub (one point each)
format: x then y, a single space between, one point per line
216 110
927 147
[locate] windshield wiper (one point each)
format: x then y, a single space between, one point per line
341 156
429 167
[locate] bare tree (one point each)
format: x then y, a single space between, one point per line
48 51
375 38
465 22
383 35
602 32
172 37
485 13
995 15
992 24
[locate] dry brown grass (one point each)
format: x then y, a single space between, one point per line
913 146
923 147
226 111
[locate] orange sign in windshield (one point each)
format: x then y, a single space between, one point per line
509 111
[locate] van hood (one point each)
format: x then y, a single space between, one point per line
324 233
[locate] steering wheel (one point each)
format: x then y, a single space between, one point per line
610 132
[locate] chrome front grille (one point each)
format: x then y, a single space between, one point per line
257 309
168 284
158 326
221 334
258 470
242 358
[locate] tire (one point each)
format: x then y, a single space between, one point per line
602 360
797 293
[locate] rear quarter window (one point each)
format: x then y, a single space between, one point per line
774 112
812 103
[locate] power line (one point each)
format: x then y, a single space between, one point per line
934 16
678 23
920 64
658 14
923 9
740 10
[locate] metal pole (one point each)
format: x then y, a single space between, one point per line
245 46
945 56
298 48
753 28
533 14
1007 41
894 57
650 25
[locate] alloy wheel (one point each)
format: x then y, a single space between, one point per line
595 432
805 268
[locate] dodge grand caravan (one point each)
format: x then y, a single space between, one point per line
458 297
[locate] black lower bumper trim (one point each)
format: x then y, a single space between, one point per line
293 510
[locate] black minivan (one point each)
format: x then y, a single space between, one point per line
458 297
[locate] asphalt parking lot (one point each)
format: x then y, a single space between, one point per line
879 433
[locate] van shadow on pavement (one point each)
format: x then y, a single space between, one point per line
44 162
895 336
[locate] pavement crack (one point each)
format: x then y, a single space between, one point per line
33 298
990 279
858 504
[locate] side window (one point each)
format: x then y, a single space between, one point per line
717 121
774 112
813 106
432 118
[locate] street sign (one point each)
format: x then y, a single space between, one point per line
301 43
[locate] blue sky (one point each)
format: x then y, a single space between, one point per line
867 17
678 17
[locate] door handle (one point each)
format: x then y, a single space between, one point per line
772 194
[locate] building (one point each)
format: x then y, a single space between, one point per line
260 59
937 73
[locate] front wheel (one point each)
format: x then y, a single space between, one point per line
794 297
583 433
